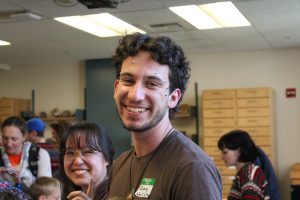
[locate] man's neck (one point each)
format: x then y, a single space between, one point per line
146 142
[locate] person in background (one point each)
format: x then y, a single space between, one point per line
238 149
36 130
45 188
151 77
57 130
86 156
21 162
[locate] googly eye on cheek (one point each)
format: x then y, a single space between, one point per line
166 91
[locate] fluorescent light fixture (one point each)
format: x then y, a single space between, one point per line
101 25
2 43
214 15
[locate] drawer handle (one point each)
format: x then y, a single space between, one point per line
252 120
251 101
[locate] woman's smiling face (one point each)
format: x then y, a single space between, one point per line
81 164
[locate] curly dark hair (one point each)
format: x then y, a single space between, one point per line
239 140
164 51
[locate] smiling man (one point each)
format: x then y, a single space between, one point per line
152 75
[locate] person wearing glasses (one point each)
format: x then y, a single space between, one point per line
86 156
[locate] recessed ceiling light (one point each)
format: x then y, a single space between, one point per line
214 15
101 25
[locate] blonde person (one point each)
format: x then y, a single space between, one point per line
46 188
86 159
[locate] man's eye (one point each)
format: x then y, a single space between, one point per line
152 84
127 81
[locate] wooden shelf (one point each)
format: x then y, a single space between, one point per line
52 119
186 111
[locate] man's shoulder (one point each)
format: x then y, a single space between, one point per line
123 157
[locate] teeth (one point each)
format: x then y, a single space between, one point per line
139 110
79 172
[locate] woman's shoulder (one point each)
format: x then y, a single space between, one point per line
251 172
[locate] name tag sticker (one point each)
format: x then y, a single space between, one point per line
145 188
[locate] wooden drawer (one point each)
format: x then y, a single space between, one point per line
212 151
262 141
253 92
215 123
216 132
5 102
226 189
250 122
210 141
218 104
220 113
257 131
218 94
217 160
251 103
228 171
253 112
227 180
7 111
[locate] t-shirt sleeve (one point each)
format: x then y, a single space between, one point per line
198 180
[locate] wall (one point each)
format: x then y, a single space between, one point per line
61 85
56 85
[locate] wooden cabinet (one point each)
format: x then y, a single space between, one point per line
13 106
249 109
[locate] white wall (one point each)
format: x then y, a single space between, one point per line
56 85
60 85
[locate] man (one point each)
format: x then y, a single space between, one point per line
36 129
152 74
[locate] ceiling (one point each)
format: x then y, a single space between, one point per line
275 24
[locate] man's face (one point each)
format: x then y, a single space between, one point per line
32 137
142 92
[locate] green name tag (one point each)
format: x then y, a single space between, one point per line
145 188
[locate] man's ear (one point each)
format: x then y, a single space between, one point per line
174 97
115 87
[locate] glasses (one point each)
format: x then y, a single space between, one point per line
83 153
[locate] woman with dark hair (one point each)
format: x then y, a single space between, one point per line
239 150
86 157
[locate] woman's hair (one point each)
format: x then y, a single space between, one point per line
239 140
17 122
164 51
96 139
43 186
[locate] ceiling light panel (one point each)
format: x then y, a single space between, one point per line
101 25
214 15
3 43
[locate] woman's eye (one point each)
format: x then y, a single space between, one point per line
69 152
